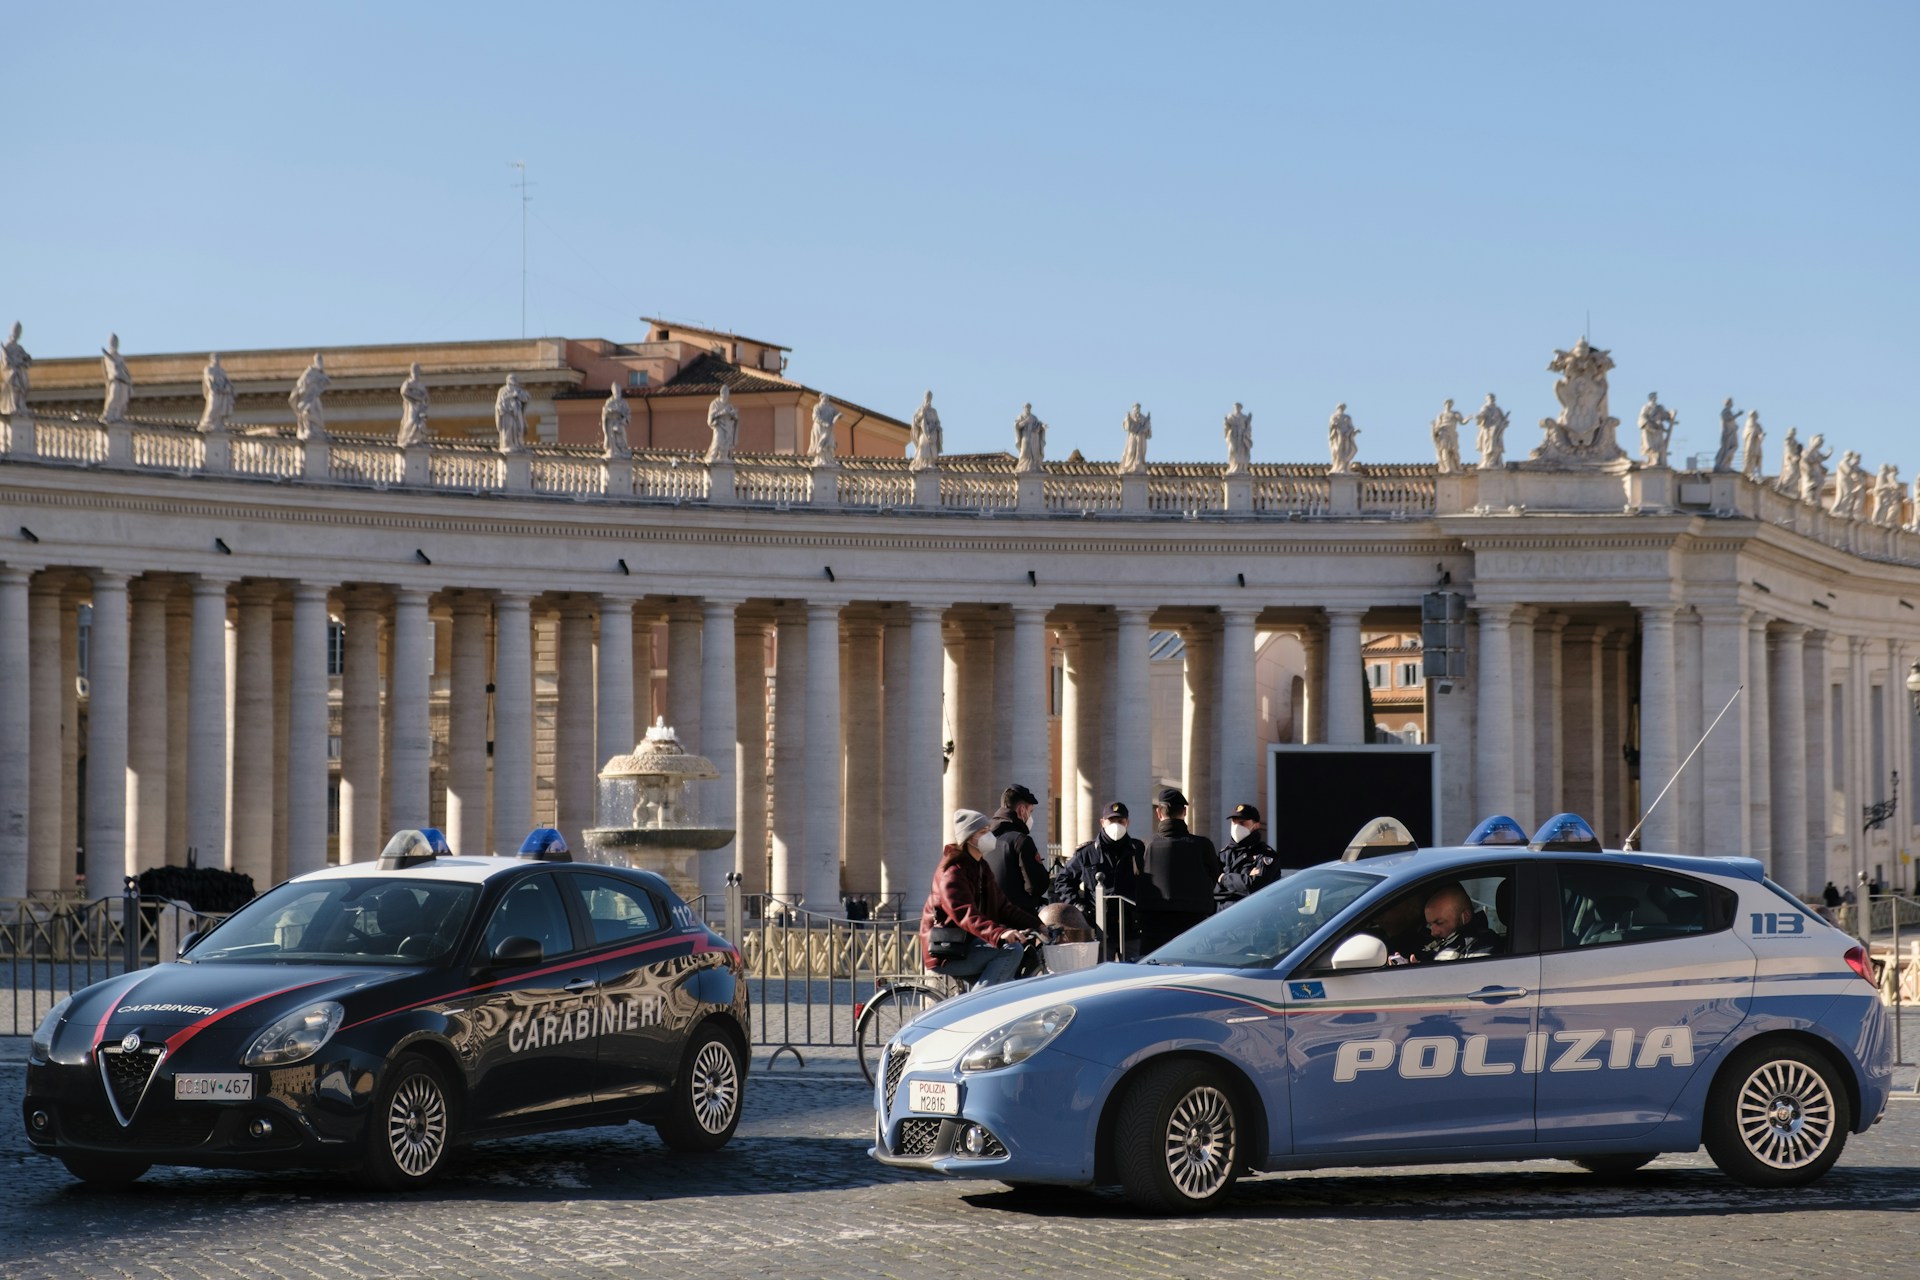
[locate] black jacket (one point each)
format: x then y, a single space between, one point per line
1181 869
1119 861
1246 866
1017 864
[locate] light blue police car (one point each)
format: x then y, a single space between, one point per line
1595 1006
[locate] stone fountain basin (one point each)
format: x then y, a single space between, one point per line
673 853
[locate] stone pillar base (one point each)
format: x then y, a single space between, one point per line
719 482
1344 495
1033 495
416 471
119 444
619 477
926 489
22 437
1238 496
1726 491
316 463
1456 494
519 471
824 487
219 453
1133 495
1651 489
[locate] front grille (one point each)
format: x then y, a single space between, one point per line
169 1128
917 1137
127 1075
993 1149
895 1068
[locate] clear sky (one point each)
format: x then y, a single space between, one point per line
1080 205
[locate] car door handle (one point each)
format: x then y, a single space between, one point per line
1494 994
578 985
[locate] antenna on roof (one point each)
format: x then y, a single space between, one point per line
525 200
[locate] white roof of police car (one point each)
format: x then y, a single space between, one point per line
464 869
1420 861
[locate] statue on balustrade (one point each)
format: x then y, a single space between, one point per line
1849 486
510 414
309 417
821 444
1446 440
413 408
14 364
1788 481
1888 495
1913 513
1239 433
1752 441
119 381
1343 441
1492 436
1656 430
1729 437
1813 469
1139 429
1582 434
615 414
217 388
723 422
926 436
1030 434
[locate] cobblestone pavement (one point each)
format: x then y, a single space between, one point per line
795 1195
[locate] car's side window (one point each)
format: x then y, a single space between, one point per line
1602 905
618 910
533 909
1468 916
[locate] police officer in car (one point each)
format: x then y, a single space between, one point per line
1247 865
1177 891
1458 931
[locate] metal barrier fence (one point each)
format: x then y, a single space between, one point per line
52 947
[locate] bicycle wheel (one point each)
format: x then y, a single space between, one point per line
885 1014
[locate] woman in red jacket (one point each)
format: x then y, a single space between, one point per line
965 893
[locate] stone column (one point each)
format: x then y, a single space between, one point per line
107 654
1723 760
1549 727
1087 672
860 704
1345 712
574 765
1787 718
720 740
146 820
207 728
750 751
360 773
512 720
974 721
614 732
683 674
1816 674
896 822
1202 714
1029 736
282 721
1493 752
1690 792
410 773
822 851
1133 717
48 786
1522 647
1106 674
16 728
307 732
467 725
1659 725
927 825
1615 820
1242 768
1584 763
70 825
1006 708
789 870
1072 821
1313 722
1759 750
179 709
252 777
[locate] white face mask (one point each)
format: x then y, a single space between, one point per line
1115 830
985 841
1240 831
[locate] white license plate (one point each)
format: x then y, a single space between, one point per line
225 1088
936 1097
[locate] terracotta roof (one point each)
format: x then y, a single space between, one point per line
671 325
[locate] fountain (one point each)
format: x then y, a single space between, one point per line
643 811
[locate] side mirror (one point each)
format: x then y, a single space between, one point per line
189 942
519 950
1361 951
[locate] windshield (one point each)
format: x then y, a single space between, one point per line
1256 932
358 921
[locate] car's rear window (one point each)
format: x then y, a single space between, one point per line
1602 904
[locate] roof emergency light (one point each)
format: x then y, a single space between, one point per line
437 841
1378 838
545 844
408 848
1497 830
1565 833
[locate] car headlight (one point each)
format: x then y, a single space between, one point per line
1017 1040
298 1035
41 1047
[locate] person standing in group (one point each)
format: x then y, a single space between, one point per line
1017 863
1112 855
1181 868
965 893
1249 864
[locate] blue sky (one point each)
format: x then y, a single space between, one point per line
1080 205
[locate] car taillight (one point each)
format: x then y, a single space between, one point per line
1858 961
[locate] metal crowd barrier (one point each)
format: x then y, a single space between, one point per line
54 946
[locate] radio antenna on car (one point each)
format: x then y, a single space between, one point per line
1631 844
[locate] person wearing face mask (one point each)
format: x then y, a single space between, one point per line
1016 861
966 894
1112 854
1181 867
1247 865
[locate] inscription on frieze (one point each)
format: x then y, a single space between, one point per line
1571 565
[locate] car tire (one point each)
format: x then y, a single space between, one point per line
1616 1166
105 1171
1776 1116
411 1127
1177 1145
707 1096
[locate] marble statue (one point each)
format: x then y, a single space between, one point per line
1343 441
723 422
1239 432
14 364
821 444
1656 430
1139 429
119 381
1788 481
1729 437
218 392
1913 518
1030 434
1813 469
1446 440
1888 494
1849 486
926 436
1752 440
615 414
1582 434
413 408
309 415
1492 438
510 414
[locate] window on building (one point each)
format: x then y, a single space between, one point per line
336 648
1878 787
1409 675
333 800
1377 674
333 746
85 631
1057 687
1837 735
636 377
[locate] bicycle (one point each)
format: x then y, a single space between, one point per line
898 1001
